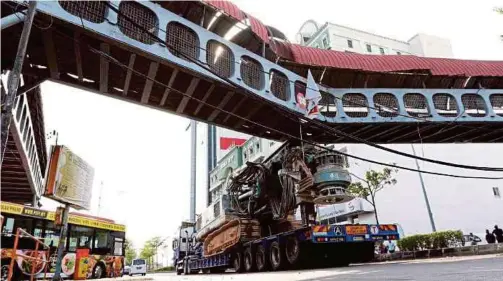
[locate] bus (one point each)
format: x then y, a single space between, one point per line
104 238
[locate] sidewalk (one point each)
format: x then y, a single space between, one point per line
445 252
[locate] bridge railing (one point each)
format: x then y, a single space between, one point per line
206 54
24 137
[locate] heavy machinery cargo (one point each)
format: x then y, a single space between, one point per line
266 218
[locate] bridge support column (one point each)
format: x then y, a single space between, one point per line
15 76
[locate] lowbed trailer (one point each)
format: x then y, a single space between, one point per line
307 247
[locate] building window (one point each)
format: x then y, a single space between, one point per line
398 53
496 192
369 48
350 43
381 50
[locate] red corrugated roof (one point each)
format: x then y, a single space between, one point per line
373 63
227 7
390 63
258 28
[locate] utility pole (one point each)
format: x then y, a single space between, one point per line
430 214
15 76
193 152
99 198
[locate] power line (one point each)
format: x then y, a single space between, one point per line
114 60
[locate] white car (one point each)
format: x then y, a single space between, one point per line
138 266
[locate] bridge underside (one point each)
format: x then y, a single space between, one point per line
79 57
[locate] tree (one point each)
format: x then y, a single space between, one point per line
130 251
151 247
147 252
500 11
374 182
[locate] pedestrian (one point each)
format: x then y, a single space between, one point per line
391 247
472 239
490 237
498 232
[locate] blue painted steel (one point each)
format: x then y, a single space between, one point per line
332 175
337 234
109 28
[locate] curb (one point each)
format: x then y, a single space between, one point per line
489 249
126 278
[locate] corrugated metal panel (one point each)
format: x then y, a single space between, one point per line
227 7
389 63
258 28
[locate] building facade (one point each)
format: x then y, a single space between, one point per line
346 39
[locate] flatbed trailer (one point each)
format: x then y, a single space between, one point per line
307 247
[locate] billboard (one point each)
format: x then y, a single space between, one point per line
69 178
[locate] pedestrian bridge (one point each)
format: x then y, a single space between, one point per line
180 57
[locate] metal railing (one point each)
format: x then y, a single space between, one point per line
33 258
26 143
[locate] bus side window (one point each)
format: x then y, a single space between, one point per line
9 226
118 246
80 237
101 243
38 228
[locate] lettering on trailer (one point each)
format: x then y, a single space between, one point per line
356 229
374 229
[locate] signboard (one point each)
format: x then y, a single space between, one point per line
69 178
16 209
356 229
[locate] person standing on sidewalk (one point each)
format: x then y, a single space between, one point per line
490 237
498 232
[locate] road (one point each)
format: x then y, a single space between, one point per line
485 268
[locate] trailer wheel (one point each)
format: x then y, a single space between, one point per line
237 261
276 256
249 261
292 250
260 258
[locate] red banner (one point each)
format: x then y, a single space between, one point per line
226 143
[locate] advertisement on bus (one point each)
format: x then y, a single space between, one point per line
69 178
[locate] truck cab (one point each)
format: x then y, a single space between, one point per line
183 245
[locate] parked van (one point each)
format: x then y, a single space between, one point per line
138 266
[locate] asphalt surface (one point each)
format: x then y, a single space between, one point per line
485 268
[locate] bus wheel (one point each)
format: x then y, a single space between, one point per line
292 250
237 261
249 260
98 271
5 272
276 256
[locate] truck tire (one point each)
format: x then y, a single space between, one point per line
292 250
249 260
276 256
261 258
237 261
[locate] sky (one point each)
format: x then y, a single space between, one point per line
141 156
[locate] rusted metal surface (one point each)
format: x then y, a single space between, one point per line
229 234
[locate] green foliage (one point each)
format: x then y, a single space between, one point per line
373 182
498 10
164 269
149 250
130 252
430 241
